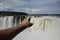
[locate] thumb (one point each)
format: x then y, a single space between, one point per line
30 25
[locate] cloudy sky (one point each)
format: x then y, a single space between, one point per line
31 6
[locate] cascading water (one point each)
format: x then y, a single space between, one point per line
9 21
47 27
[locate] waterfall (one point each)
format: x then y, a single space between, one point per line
41 23
9 21
43 28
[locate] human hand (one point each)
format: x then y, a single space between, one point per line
26 22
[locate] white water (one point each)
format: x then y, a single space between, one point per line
36 32
7 22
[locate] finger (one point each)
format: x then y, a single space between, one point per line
29 18
30 24
25 19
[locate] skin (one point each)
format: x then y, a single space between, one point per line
10 33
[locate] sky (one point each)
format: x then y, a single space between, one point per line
31 6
